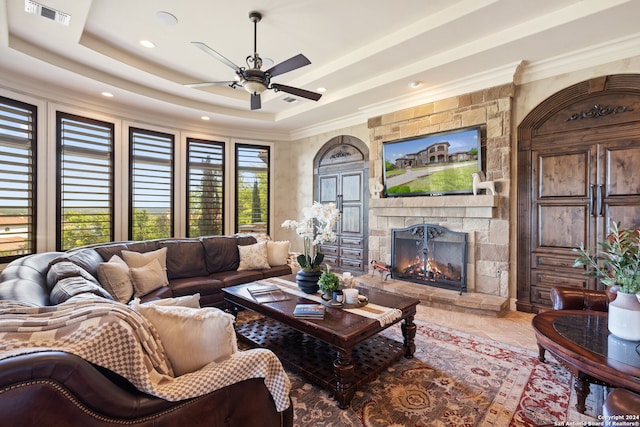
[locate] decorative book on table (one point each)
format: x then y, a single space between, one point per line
309 311
264 293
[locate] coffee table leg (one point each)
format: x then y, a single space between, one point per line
582 391
409 333
344 374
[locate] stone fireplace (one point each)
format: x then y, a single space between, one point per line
430 255
484 218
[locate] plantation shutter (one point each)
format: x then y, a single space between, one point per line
252 188
85 181
17 179
205 188
151 207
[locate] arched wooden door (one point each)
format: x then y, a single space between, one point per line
341 175
578 163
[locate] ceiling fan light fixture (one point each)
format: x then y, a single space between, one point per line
254 86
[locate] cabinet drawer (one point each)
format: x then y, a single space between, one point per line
332 261
351 241
351 252
352 263
553 261
329 250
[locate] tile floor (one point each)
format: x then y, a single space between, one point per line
514 328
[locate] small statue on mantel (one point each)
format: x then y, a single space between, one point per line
480 183
376 188
382 268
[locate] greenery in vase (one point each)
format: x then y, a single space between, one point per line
315 228
328 282
617 262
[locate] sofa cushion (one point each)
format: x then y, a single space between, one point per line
115 278
279 270
87 259
204 285
278 252
185 258
109 250
192 337
147 278
72 286
221 253
137 260
64 269
253 257
232 278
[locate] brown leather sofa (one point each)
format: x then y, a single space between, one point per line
60 389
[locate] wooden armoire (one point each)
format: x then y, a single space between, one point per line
578 169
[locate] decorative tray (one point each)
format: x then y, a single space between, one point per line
362 301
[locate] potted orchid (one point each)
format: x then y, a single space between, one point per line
315 228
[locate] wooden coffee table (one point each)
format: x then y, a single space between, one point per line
340 352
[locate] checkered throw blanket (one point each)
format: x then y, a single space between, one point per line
112 335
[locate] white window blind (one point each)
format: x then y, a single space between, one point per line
17 179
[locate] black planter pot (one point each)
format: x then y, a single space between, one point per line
308 281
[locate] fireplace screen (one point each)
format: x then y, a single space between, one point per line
430 255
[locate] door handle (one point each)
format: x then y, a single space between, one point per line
592 196
339 200
601 199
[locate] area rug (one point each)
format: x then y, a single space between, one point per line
455 379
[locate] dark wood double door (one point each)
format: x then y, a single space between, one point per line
578 169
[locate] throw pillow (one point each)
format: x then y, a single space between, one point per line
72 286
278 252
192 337
192 301
64 269
138 259
253 257
114 277
147 278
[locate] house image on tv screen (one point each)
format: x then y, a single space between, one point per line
435 153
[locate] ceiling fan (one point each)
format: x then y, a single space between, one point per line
253 79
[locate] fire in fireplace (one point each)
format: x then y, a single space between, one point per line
430 255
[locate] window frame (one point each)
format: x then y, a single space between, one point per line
60 115
33 177
238 146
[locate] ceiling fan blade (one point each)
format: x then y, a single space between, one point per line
206 49
296 91
255 101
289 65
202 84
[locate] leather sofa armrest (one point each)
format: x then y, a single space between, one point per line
566 298
621 403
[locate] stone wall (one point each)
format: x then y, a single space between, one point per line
484 218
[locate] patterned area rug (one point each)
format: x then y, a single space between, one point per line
455 379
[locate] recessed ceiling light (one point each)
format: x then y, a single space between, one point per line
166 18
205 118
414 85
322 89
148 44
107 94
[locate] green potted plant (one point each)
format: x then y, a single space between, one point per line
617 264
328 282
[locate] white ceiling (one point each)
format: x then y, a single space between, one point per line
365 52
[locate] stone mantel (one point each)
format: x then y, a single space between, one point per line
480 206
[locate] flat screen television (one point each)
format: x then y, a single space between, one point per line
434 164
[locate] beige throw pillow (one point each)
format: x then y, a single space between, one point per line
138 259
114 278
147 278
192 337
192 301
253 257
278 253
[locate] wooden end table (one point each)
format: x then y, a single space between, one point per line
581 341
340 352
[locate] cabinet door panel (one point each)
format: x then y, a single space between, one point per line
564 226
622 167
564 175
351 219
328 189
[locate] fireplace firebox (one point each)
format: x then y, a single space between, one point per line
430 255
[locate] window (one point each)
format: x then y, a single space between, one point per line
252 188
205 188
85 181
151 184
17 178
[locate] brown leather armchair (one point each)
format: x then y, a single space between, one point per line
620 403
566 298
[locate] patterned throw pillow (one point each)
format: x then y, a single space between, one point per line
192 337
253 257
